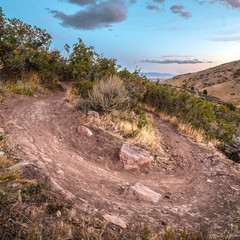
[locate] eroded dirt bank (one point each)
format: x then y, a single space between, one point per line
199 190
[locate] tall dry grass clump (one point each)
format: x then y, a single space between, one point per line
108 94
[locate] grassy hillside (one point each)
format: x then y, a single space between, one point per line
222 82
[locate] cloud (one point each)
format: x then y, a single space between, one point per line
82 2
159 1
153 7
93 16
178 9
231 3
132 1
169 61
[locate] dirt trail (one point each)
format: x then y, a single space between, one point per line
200 192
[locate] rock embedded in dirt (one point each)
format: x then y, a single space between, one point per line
93 116
115 220
1 131
134 157
141 192
85 131
1 153
31 171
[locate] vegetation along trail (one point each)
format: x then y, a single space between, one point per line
199 188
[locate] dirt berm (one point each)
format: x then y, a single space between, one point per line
199 189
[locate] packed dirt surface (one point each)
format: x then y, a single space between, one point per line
199 189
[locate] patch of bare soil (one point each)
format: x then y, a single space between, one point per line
199 189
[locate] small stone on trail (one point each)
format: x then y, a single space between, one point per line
1 153
134 157
85 131
115 220
210 146
1 130
141 192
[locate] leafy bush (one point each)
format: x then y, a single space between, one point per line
217 121
142 120
83 87
135 84
236 74
22 89
83 105
109 94
232 150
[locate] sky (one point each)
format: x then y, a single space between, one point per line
160 36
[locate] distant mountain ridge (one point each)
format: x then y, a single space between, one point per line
222 81
156 75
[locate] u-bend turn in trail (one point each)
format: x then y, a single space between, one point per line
201 192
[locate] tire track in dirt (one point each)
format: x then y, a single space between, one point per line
202 191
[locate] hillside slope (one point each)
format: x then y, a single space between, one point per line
199 189
222 81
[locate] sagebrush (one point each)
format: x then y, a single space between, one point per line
108 94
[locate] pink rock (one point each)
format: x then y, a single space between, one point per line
115 220
134 157
141 192
85 131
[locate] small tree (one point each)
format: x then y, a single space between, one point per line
82 60
135 84
108 95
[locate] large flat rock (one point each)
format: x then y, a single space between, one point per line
115 220
141 192
134 157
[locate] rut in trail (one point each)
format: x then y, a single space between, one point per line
201 191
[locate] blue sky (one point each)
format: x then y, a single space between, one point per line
165 36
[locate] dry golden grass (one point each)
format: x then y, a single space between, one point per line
32 77
71 97
124 125
219 82
187 129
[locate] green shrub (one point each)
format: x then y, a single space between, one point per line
22 89
232 150
108 95
83 87
236 74
217 121
83 105
142 120
205 91
135 84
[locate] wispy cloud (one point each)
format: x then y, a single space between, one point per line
178 9
94 15
159 1
152 7
231 3
176 61
82 2
133 1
